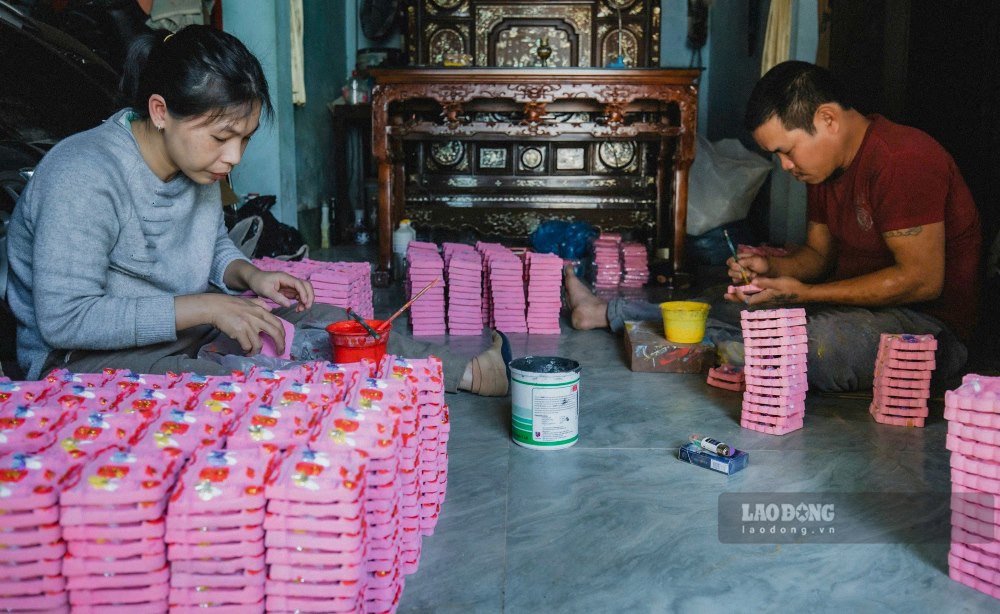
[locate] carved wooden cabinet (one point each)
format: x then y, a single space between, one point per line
536 127
506 33
498 149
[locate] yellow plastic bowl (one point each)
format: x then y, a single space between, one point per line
684 321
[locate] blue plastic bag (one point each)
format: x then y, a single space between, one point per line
570 240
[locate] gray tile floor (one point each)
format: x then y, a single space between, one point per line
617 523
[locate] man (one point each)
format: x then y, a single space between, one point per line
892 243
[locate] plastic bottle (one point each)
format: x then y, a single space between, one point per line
401 238
360 230
355 90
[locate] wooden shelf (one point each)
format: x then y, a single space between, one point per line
437 104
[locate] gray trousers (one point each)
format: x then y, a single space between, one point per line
182 355
843 341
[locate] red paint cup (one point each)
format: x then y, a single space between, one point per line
350 341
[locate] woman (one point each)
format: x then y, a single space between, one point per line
119 255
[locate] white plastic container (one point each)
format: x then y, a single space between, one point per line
401 238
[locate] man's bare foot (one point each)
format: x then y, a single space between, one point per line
588 310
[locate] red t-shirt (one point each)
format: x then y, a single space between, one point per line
901 178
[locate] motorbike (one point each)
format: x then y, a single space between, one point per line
60 66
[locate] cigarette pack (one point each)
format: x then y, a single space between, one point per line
696 455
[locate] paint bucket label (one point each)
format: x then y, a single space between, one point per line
545 398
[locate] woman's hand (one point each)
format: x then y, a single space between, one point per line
243 319
281 288
277 286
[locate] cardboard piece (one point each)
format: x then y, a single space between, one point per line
647 350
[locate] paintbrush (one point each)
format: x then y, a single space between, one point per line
399 311
736 259
361 321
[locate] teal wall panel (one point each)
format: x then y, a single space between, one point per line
324 58
268 167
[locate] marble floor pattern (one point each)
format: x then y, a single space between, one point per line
616 523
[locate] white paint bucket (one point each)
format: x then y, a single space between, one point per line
545 395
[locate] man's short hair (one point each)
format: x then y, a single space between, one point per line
793 91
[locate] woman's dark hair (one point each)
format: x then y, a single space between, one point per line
793 91
198 70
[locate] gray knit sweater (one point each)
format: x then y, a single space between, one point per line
99 247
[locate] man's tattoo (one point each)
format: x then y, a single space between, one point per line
905 232
785 298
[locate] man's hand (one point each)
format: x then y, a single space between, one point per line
754 266
916 275
777 290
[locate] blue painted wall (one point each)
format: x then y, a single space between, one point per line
674 52
269 165
729 76
733 68
324 56
788 196
293 157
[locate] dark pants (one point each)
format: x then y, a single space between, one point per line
843 341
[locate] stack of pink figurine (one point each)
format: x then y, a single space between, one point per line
762 250
775 347
369 421
225 395
503 285
382 402
903 370
973 414
424 266
607 262
177 432
544 273
315 527
343 284
464 277
172 499
727 377
28 421
431 449
31 571
400 373
482 248
112 515
91 431
215 531
635 265
285 416
339 377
